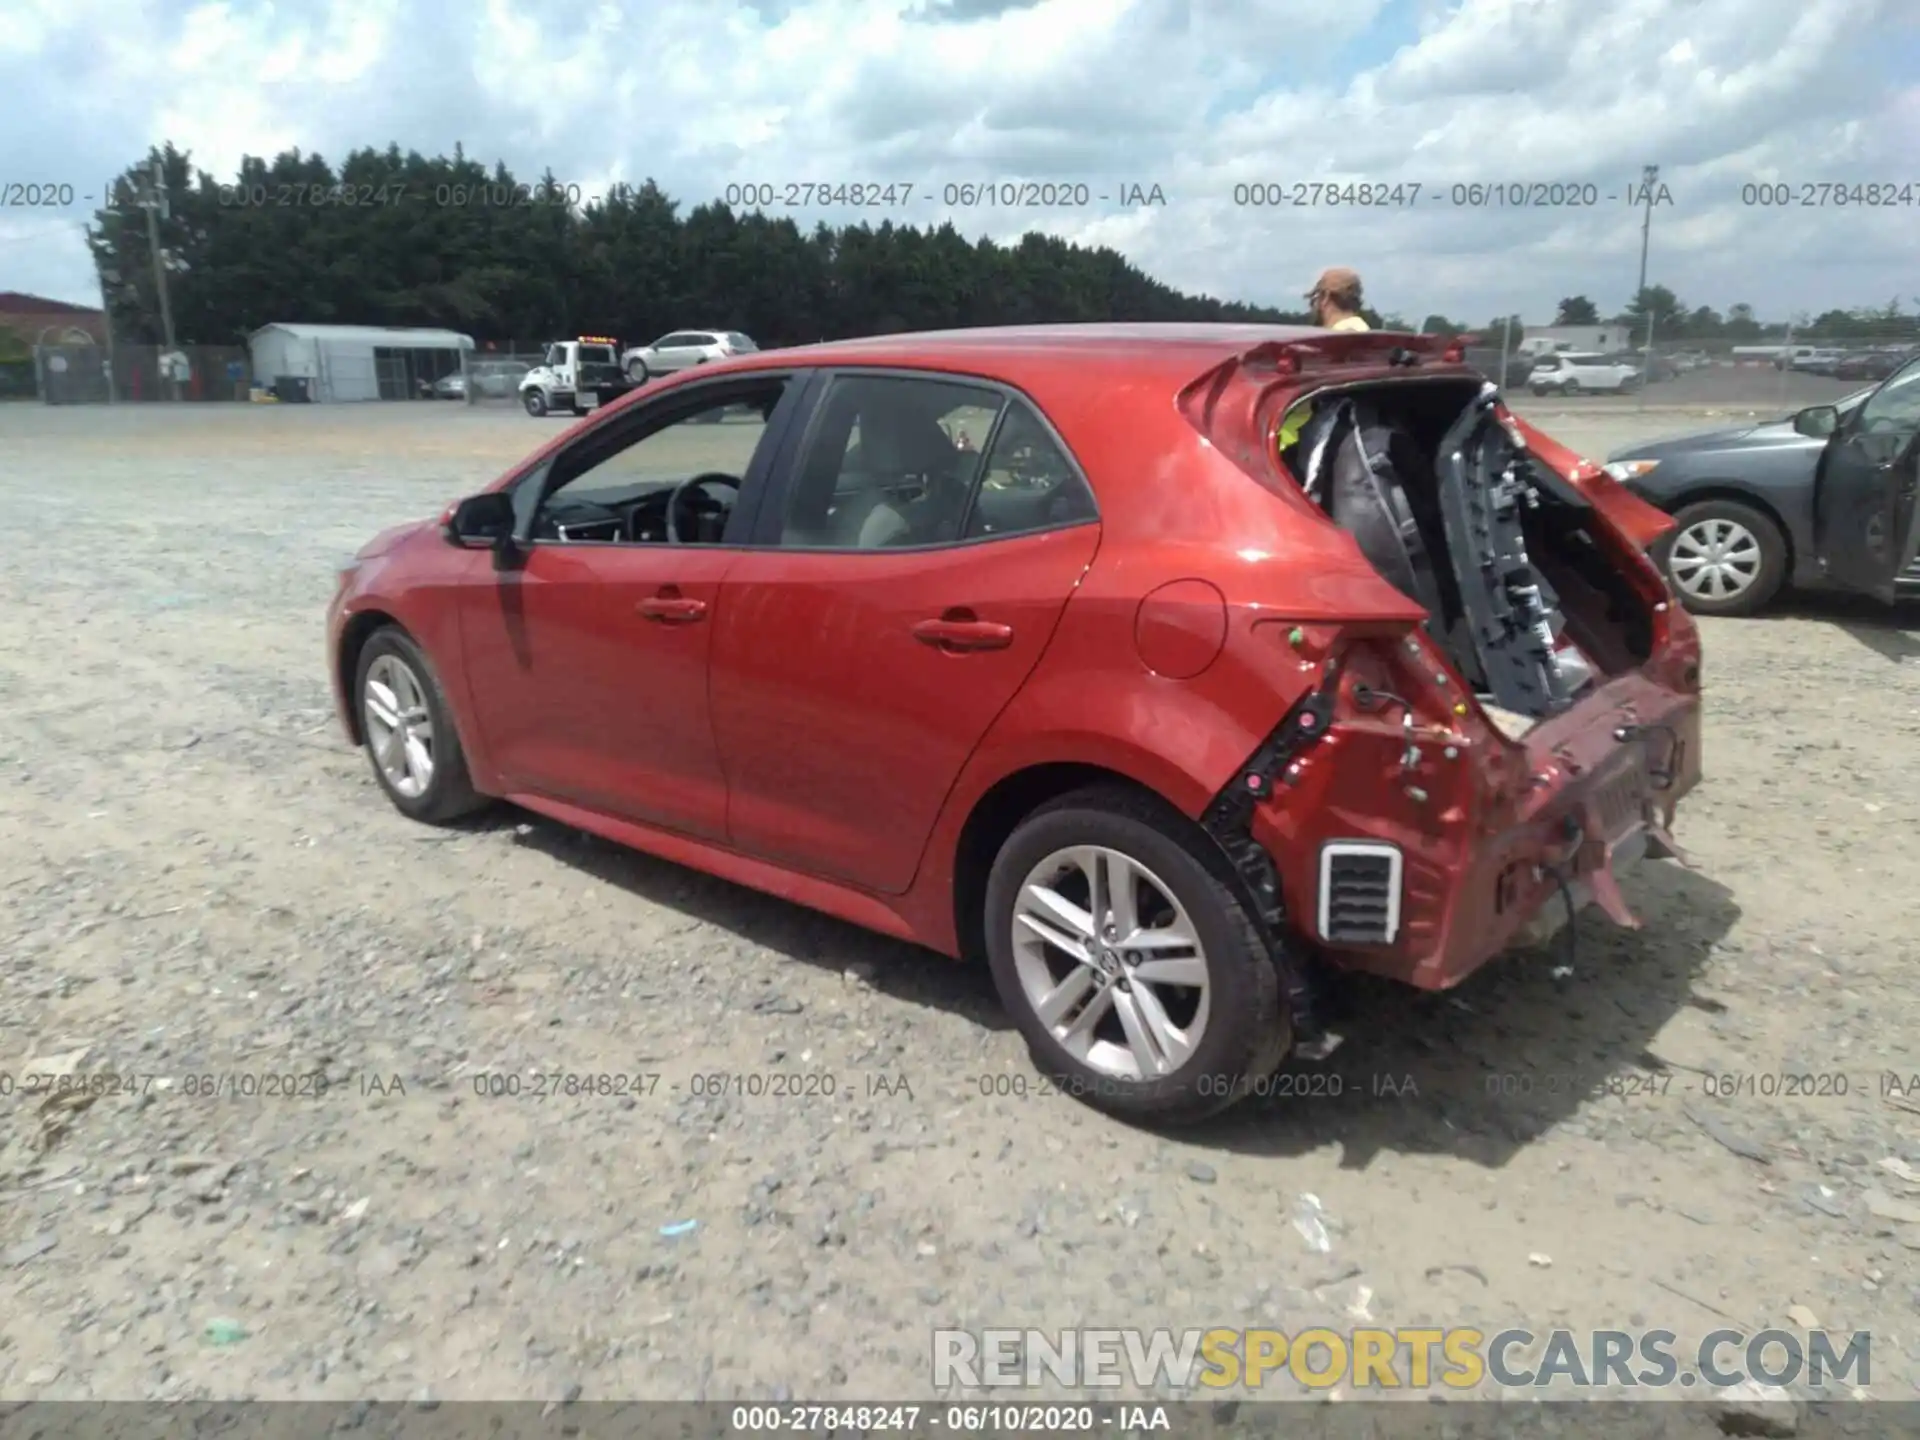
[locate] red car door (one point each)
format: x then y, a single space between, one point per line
890 608
588 669
586 660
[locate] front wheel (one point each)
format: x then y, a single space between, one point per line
1125 956
637 372
408 731
1724 558
535 402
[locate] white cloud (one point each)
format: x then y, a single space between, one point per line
1192 95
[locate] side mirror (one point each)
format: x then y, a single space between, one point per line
482 522
1817 421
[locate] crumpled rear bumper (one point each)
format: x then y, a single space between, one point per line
1604 781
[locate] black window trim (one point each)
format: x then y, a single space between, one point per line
772 504
677 403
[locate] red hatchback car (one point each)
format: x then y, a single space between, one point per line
1163 666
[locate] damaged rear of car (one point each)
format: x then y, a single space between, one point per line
1464 772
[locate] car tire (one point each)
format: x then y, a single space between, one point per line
637 372
1543 389
535 403
397 692
1572 387
1243 1030
1700 528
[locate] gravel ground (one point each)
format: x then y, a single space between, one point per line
198 878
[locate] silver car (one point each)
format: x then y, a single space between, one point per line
681 350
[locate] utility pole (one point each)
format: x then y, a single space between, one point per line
155 205
1649 176
106 324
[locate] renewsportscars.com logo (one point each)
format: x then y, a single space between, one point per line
1415 1358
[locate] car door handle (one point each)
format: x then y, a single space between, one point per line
952 632
672 609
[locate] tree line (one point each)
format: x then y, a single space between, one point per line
409 240
1672 321
392 238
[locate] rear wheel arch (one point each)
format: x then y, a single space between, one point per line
1014 797
998 813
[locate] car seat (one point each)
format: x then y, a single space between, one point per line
898 453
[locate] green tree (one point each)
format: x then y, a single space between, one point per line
1669 315
397 238
1576 310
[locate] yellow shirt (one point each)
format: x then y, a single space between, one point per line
1302 411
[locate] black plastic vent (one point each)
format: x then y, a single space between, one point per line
1359 894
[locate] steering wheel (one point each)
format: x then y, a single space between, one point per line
688 487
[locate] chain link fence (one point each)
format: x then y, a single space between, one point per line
1600 363
132 374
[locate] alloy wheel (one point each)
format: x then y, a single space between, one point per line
399 725
1111 963
1714 559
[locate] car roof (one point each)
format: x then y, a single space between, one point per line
1217 341
1057 358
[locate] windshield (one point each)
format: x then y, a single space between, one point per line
737 341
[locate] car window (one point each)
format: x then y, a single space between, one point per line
1895 406
556 355
739 341
678 339
885 466
1029 483
613 484
596 355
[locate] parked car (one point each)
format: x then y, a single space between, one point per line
1653 369
1572 372
1690 360
683 349
1037 701
1821 499
1808 359
1486 359
496 379
450 387
1870 364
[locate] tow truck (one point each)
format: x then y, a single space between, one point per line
574 376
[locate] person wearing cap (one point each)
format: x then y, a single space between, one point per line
1334 301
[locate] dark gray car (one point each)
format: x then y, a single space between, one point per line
1824 498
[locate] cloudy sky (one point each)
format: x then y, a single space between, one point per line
1193 96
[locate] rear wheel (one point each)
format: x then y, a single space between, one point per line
1123 953
408 730
1572 387
1724 558
1543 389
